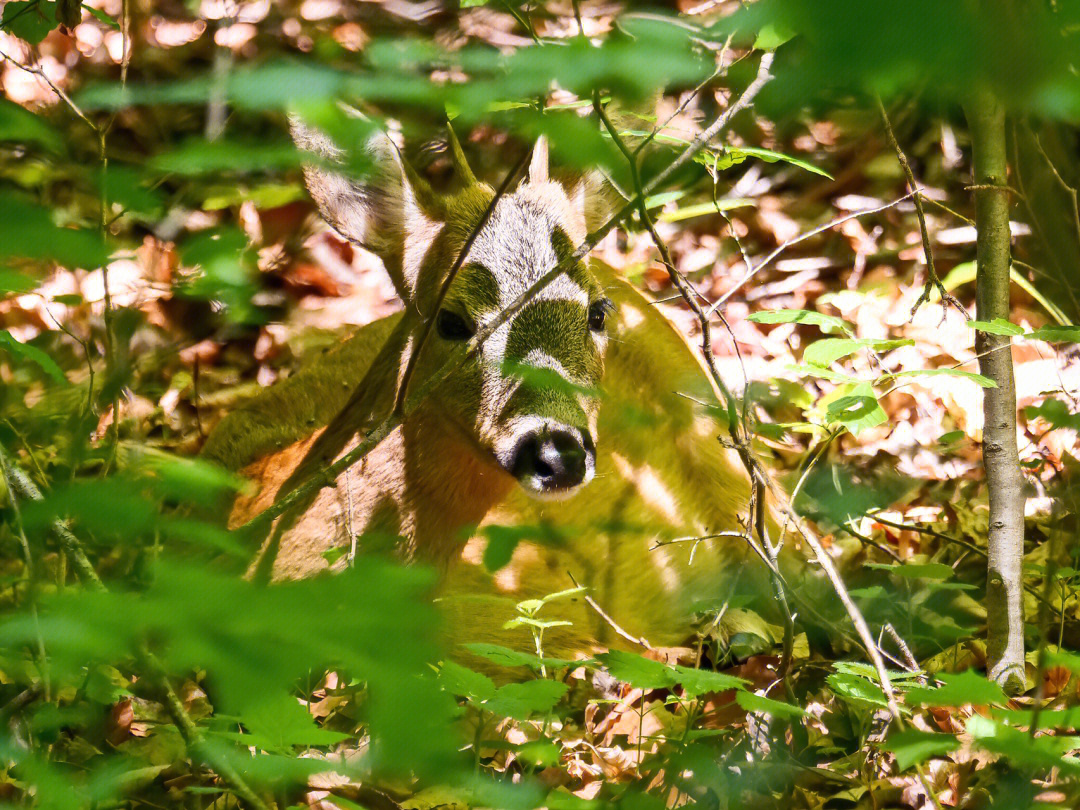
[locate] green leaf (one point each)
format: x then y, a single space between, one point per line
1056 413
769 156
959 690
459 680
1038 752
29 20
102 17
827 350
33 354
857 690
638 671
520 701
856 407
704 209
998 326
916 570
1056 334
504 656
19 125
985 382
772 35
827 323
751 702
279 723
699 681
912 747
12 282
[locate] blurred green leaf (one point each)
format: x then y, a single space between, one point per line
912 747
827 323
958 690
638 671
33 354
19 125
752 702
521 701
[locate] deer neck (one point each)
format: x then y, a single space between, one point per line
449 483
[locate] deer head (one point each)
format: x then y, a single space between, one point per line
527 401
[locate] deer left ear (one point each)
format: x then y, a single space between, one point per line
394 213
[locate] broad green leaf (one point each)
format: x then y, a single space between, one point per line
29 20
772 35
638 671
985 382
521 701
27 231
753 702
827 323
912 747
856 407
699 681
12 282
998 326
1022 749
278 723
459 680
959 690
1056 413
506 657
827 350
33 354
857 690
19 125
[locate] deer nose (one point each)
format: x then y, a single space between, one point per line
551 460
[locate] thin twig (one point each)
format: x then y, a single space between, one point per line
614 625
802 237
932 280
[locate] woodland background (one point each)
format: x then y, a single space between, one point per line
160 262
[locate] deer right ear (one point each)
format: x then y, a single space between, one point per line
393 212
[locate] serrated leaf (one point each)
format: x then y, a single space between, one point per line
912 747
857 690
959 690
751 702
459 680
520 701
638 671
827 323
699 681
998 326
1056 334
506 657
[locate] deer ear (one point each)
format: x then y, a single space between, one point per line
591 200
538 164
392 212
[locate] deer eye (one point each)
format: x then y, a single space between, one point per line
452 326
598 311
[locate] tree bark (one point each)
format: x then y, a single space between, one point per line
1004 480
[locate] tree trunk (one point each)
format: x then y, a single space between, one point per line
1004 480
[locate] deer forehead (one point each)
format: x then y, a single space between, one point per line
528 233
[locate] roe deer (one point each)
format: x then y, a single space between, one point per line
578 422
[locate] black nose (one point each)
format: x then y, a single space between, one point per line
554 460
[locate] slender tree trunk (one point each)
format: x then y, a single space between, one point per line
1004 594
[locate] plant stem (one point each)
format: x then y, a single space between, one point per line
1004 480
